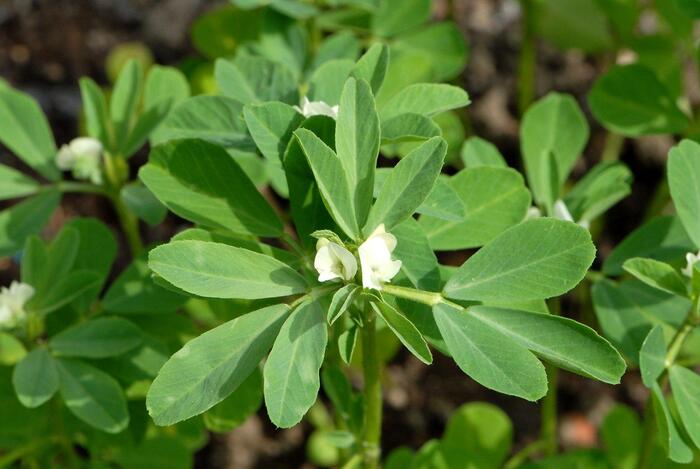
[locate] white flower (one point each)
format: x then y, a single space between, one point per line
375 259
334 261
561 211
533 212
691 259
82 156
316 108
12 301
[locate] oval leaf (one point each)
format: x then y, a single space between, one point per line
536 259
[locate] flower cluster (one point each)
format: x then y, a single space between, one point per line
316 108
83 157
12 301
334 261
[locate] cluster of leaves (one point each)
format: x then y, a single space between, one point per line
643 93
496 332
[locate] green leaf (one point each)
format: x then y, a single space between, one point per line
124 100
601 188
26 132
326 83
686 391
493 200
478 152
165 85
404 330
489 357
438 49
201 182
11 349
254 80
684 184
97 118
199 234
291 371
342 45
662 238
346 344
307 205
134 292
652 356
92 396
271 125
14 184
282 41
408 127
553 134
99 338
210 367
143 203
357 143
559 22
626 311
96 252
418 261
216 119
676 448
219 32
25 219
559 340
630 100
144 127
408 185
238 406
332 181
35 378
396 16
372 66
478 434
621 433
341 301
443 202
539 258
656 274
215 270
427 99
64 291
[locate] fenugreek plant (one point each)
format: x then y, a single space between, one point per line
356 263
651 314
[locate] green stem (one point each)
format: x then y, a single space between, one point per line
372 394
548 429
129 224
548 425
72 186
519 458
648 435
527 63
8 459
419 296
613 147
659 200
